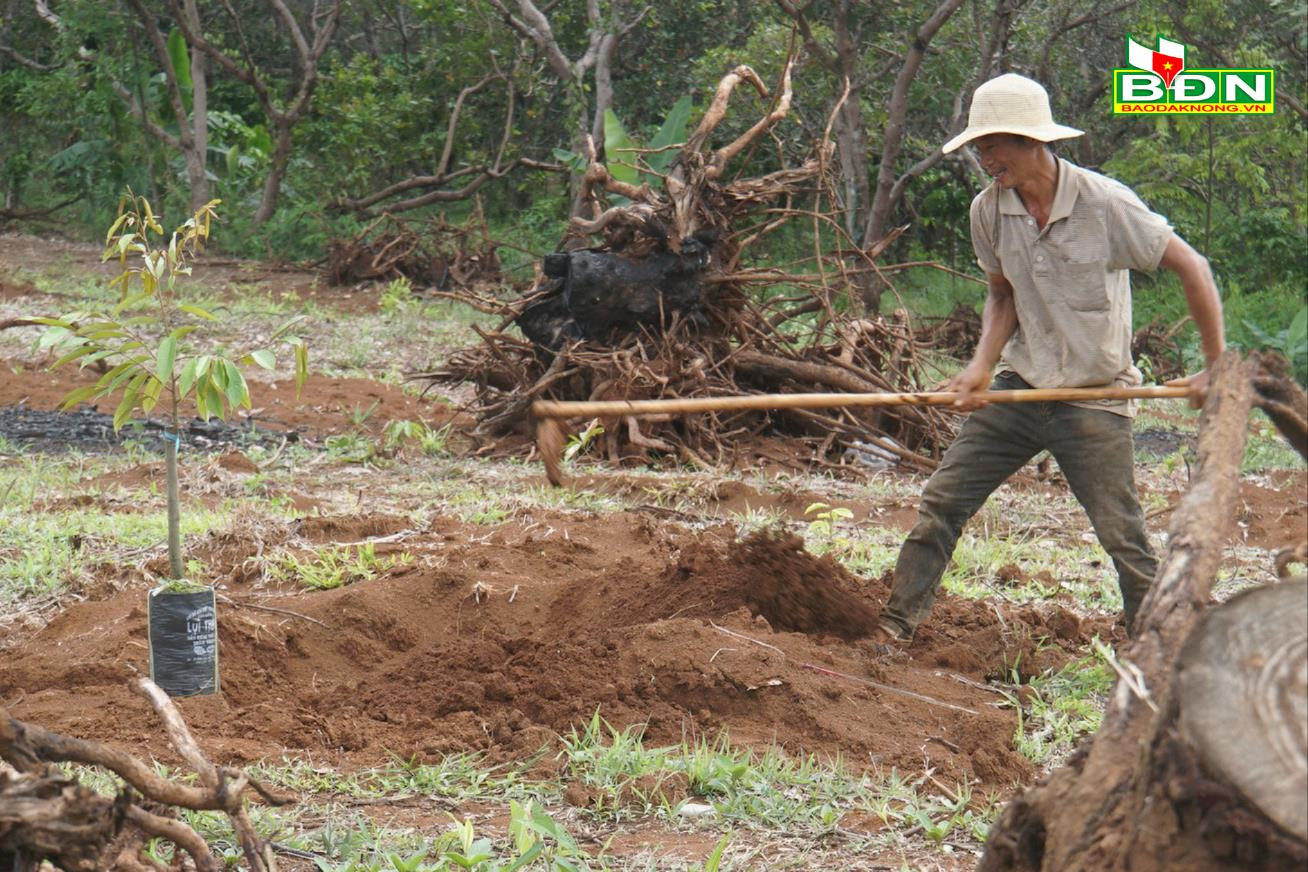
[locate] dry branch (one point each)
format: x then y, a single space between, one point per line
46 816
429 254
1284 401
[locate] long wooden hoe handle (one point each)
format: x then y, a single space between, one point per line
548 413
602 408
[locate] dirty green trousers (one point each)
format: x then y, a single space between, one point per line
1095 453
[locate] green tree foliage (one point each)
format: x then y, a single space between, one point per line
391 77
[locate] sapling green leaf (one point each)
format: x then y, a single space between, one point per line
165 356
145 335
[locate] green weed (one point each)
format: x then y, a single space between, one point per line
398 296
351 447
1267 449
400 433
754 519
358 416
924 804
1061 708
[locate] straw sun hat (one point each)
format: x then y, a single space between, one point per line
1011 104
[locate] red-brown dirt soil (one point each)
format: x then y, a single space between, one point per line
498 640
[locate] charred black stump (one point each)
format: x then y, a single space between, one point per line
605 295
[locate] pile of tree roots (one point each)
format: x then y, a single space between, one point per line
654 294
433 254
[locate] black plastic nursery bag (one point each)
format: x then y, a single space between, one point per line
184 641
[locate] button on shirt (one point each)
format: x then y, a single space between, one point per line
1071 280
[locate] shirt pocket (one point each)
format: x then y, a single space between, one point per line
1084 286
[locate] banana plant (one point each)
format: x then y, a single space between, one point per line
627 160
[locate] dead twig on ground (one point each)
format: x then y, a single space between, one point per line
272 609
745 638
76 829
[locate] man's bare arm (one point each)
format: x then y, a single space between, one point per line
1205 306
998 324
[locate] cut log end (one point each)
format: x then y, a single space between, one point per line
1244 699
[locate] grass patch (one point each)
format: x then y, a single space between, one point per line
752 797
982 568
458 777
42 553
1266 449
57 525
768 790
1062 707
336 567
1026 531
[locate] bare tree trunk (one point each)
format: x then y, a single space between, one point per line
191 139
309 50
197 154
603 88
893 138
605 32
272 183
850 130
603 102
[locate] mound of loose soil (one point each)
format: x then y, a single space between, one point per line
798 593
496 641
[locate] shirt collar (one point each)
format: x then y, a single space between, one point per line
1064 195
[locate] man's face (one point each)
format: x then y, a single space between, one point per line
1007 158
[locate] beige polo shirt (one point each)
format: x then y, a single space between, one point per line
1071 281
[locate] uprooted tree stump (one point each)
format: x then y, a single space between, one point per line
1201 762
433 254
45 815
647 299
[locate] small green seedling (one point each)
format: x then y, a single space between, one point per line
826 518
580 443
146 341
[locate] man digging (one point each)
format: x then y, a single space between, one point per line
1056 242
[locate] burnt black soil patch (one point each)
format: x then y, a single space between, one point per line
91 431
1157 443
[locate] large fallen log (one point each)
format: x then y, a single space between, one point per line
1158 787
